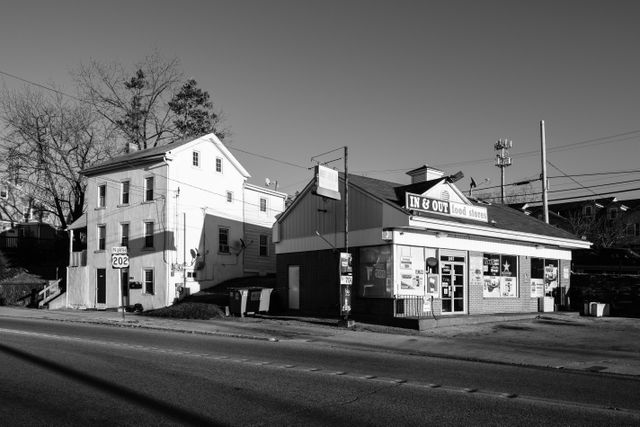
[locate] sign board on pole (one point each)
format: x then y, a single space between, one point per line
327 182
119 257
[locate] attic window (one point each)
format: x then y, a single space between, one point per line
613 213
444 196
588 211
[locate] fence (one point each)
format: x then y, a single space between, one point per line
412 306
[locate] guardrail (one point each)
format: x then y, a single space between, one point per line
49 292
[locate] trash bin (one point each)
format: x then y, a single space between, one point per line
249 300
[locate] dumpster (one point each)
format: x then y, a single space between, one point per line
249 300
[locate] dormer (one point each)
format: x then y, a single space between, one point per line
424 173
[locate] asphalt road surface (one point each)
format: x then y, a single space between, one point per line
55 373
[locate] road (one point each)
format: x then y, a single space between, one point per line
54 373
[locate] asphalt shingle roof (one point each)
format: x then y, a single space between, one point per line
505 217
135 157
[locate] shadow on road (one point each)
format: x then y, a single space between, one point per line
132 396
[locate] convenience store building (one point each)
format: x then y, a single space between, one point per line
423 250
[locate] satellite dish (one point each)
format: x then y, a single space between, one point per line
432 262
194 253
267 182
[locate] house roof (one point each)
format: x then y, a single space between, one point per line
135 158
500 216
156 154
575 205
78 223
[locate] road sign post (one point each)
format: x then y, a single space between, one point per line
120 260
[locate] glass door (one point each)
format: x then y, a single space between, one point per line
452 285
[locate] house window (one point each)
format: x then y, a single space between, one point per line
196 159
229 196
223 240
588 211
148 281
102 195
102 236
124 193
148 189
218 164
264 245
124 235
263 204
612 213
148 234
4 192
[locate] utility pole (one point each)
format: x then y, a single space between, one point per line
346 200
545 189
502 161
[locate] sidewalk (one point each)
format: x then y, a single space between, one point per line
558 340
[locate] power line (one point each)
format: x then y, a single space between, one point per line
268 158
572 179
59 92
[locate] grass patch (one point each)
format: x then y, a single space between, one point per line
187 310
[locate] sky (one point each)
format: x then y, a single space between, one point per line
400 83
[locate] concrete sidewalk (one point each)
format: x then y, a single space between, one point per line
556 340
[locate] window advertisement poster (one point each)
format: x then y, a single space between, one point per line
375 278
537 288
550 276
508 287
500 276
411 270
491 288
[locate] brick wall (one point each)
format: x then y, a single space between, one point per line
477 304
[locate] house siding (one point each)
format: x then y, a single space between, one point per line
188 208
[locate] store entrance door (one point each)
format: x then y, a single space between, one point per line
453 280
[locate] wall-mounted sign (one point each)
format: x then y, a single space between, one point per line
420 203
327 182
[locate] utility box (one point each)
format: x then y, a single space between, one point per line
249 300
598 309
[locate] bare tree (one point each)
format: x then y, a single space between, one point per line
135 103
47 140
598 229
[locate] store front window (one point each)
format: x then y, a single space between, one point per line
544 277
500 276
375 278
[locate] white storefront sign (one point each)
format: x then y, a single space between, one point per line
417 202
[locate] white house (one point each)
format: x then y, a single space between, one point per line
186 215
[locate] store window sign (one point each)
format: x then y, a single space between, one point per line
420 203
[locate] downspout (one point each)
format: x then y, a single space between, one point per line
66 291
165 213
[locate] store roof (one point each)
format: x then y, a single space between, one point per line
500 216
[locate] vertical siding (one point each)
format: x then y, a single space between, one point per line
253 261
319 279
327 216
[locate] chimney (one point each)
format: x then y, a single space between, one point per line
131 147
424 173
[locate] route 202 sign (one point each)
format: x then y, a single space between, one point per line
119 257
